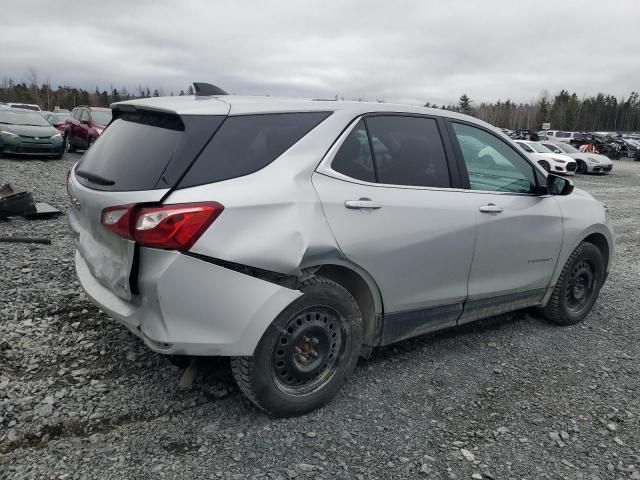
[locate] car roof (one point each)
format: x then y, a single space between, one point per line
242 105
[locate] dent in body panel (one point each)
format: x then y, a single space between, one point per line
273 219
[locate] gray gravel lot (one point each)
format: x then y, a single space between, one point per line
512 397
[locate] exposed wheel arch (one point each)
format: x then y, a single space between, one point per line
367 296
600 241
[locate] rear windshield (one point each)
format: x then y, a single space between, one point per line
101 117
247 143
132 153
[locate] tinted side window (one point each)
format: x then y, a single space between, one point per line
408 151
354 157
492 164
76 113
84 115
247 143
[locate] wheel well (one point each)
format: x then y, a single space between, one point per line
600 241
364 297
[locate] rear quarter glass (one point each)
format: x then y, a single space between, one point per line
248 143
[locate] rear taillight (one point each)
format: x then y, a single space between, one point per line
171 227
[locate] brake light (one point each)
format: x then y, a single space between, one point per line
170 227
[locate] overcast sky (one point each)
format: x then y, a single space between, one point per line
400 51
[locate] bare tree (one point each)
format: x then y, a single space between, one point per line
32 81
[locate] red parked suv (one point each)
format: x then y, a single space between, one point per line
84 126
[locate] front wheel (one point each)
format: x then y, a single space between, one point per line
577 287
544 164
581 167
306 354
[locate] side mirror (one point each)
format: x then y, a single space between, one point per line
558 185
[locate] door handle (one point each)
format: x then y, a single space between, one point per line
491 208
363 203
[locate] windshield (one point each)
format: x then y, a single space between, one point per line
100 116
563 135
566 148
59 117
25 106
525 147
22 118
540 148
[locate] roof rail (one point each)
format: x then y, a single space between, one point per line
205 89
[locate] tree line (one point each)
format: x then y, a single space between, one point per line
47 97
564 111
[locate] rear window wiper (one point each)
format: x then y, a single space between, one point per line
97 179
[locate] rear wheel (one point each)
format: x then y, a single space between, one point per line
68 144
307 353
578 286
544 164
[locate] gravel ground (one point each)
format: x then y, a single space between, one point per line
511 397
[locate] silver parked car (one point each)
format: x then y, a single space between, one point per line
586 162
295 235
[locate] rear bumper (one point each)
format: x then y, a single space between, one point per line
188 306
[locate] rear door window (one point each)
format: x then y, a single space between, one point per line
408 151
247 143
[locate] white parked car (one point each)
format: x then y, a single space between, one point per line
556 136
585 162
547 159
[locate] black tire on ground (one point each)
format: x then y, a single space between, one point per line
306 354
544 164
581 167
58 156
577 287
180 361
90 142
68 145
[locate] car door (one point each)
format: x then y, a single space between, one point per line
398 214
519 231
74 121
83 128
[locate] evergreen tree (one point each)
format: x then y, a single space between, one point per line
464 105
543 113
156 93
181 93
190 90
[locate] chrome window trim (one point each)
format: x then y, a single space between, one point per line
324 168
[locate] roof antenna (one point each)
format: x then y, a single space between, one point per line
205 89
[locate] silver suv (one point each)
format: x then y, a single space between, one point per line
295 235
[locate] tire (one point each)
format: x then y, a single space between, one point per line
68 144
577 287
306 354
90 142
58 156
581 167
544 164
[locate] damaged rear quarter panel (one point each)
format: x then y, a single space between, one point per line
273 218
